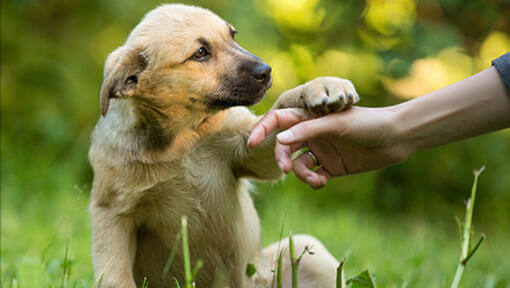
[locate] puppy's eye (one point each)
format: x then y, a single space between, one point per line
233 33
201 54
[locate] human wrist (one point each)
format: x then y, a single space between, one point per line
402 127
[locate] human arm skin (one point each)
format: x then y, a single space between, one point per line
477 105
364 139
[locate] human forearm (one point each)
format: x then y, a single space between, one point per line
477 105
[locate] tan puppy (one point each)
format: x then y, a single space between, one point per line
168 144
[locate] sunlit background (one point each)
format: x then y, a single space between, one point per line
398 222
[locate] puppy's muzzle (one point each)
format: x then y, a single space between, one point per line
245 85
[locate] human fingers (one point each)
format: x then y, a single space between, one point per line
283 155
275 119
310 129
302 167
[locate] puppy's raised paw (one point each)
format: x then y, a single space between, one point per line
328 94
320 96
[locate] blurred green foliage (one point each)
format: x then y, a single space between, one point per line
399 222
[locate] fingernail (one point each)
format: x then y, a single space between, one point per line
281 166
309 180
285 136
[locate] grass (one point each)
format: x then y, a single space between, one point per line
467 252
364 279
45 242
404 251
185 252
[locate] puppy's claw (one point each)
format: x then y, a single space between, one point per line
334 106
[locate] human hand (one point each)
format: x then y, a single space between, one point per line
363 139
354 141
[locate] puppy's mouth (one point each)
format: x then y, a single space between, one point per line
237 94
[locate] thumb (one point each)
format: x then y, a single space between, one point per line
304 131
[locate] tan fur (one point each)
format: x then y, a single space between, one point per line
160 152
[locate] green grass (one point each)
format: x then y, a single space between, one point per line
45 240
401 250
399 222
467 251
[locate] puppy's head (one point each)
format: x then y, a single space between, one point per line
180 60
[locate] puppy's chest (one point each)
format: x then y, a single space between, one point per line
216 204
199 187
223 225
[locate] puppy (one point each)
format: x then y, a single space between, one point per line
171 143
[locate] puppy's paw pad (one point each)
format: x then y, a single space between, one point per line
328 94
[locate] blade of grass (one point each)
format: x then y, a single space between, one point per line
172 254
340 277
176 283
278 249
293 262
64 277
50 243
307 250
466 238
99 281
298 153
296 260
474 249
197 267
279 280
145 284
185 251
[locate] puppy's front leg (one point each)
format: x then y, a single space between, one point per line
113 247
259 162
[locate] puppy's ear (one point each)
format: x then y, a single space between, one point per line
122 69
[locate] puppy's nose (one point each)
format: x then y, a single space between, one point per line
262 73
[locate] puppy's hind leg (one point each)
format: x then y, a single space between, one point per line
316 270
